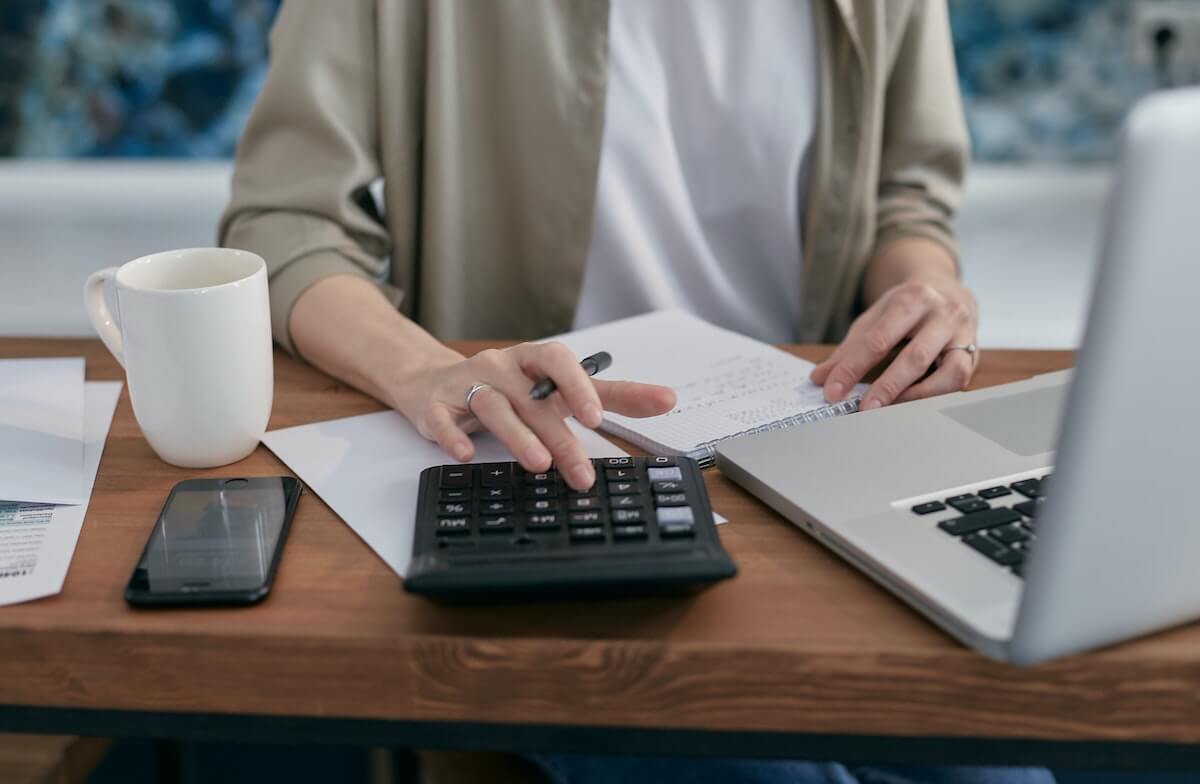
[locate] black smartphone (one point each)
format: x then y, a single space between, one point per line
217 541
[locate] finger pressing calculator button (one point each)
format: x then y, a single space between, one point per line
665 474
541 505
547 521
622 488
591 533
625 501
496 494
495 475
454 509
586 502
627 515
453 526
669 486
456 476
620 474
500 524
496 507
628 532
653 462
670 499
586 518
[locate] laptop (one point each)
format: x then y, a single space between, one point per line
1053 515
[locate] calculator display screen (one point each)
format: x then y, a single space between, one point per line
215 536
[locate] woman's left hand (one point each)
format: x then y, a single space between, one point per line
932 314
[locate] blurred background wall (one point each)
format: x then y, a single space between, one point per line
139 102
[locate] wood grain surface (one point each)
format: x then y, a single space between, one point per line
798 642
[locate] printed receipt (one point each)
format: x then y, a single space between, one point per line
38 540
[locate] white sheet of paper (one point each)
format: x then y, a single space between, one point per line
367 468
37 541
41 430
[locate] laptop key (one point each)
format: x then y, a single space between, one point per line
928 508
992 549
995 492
968 503
1010 534
1030 488
979 521
1028 508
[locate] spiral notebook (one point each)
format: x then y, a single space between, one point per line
728 385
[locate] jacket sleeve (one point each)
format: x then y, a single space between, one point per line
925 146
308 155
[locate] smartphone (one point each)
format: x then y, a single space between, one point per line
216 542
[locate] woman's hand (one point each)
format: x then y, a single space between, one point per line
932 312
533 430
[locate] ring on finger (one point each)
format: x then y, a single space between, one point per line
971 349
475 389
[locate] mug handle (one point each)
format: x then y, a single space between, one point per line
102 319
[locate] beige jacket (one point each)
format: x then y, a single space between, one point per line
484 120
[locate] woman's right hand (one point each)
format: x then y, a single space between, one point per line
534 431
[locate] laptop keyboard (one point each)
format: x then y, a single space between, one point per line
999 522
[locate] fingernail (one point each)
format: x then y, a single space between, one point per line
833 391
869 405
592 416
537 456
582 475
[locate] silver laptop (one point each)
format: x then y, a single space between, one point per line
949 502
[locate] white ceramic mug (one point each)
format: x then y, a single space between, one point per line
192 329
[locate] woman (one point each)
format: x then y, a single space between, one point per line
786 168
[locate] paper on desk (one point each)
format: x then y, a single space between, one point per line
41 430
367 468
37 541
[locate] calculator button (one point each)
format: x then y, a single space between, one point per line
495 475
591 533
496 494
456 476
453 526
625 501
454 509
619 474
541 505
541 522
622 488
664 474
587 502
627 532
617 462
660 461
669 486
496 507
456 494
675 531
539 479
671 499
586 518
627 515
542 491
500 524
675 515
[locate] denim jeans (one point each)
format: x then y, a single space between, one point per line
582 769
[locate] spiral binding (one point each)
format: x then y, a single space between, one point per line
706 453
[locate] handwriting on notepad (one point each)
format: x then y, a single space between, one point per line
749 390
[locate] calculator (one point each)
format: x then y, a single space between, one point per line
494 531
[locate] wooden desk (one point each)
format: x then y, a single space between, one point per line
799 656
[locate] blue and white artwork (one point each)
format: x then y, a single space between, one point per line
1042 80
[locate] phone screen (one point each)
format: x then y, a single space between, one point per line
216 536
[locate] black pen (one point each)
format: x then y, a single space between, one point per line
591 365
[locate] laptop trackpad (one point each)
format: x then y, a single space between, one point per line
1025 423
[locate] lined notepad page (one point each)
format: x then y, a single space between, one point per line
726 383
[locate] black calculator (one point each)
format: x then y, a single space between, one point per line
494 531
